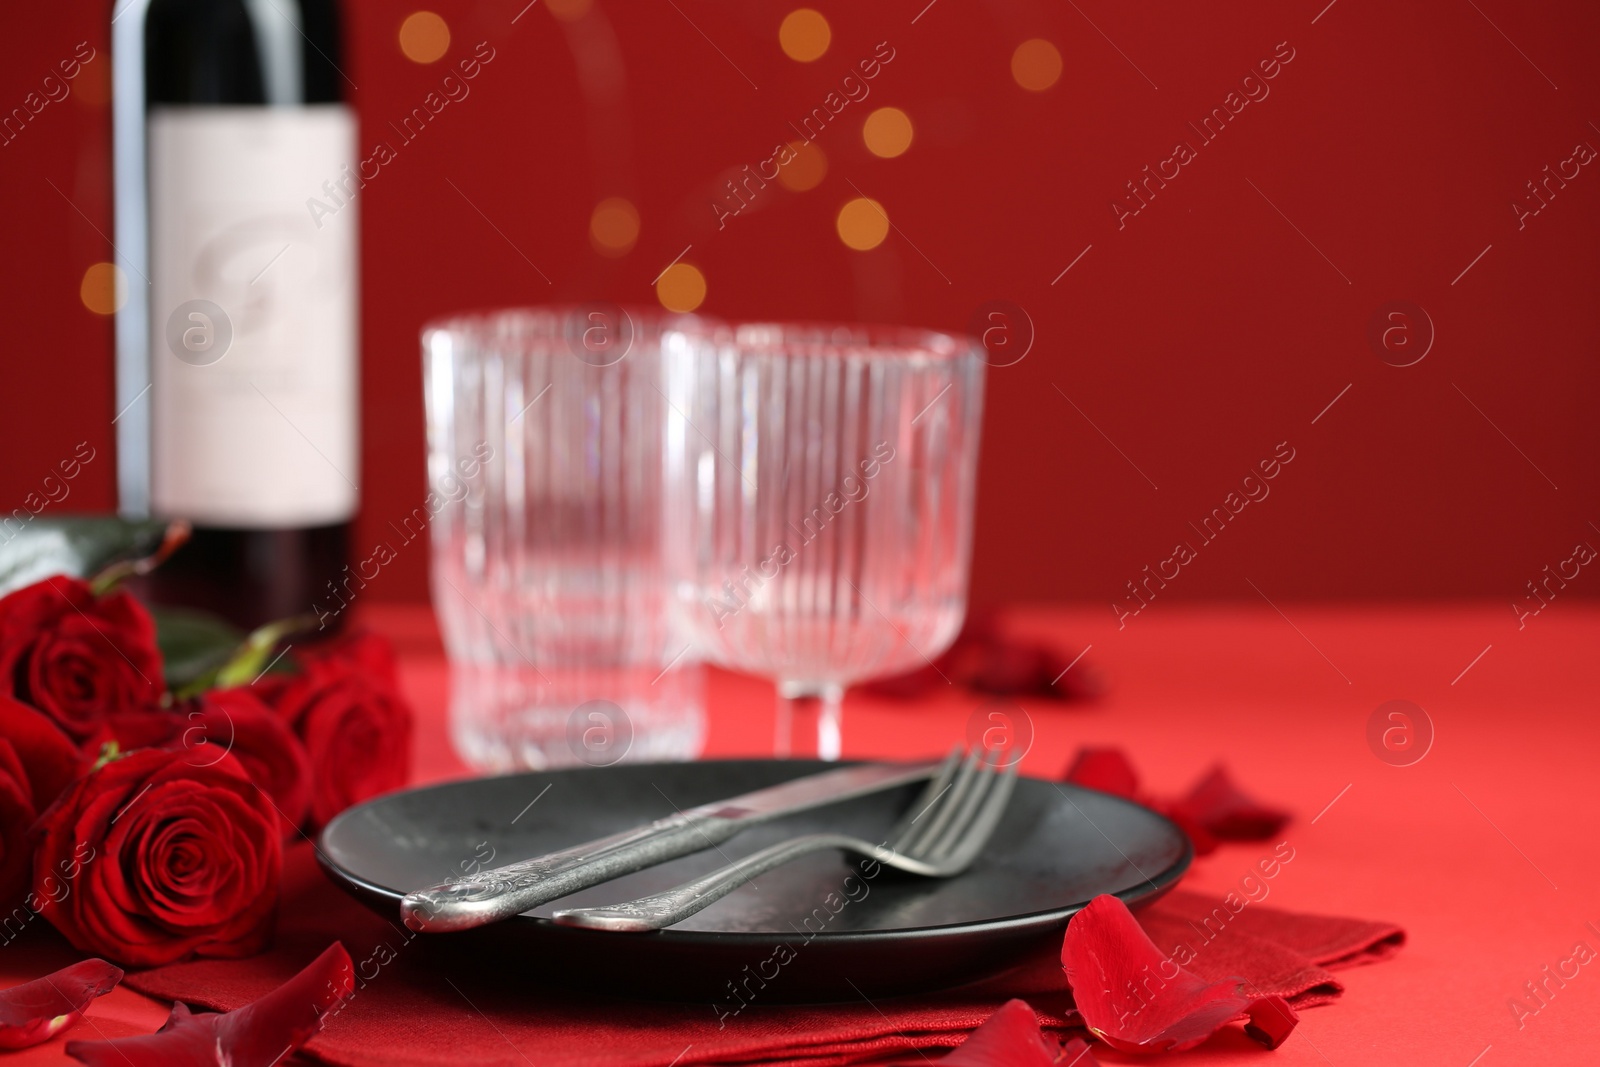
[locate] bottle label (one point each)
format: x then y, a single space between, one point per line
252 316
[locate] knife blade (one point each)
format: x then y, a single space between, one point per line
501 892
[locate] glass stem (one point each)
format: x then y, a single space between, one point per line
808 720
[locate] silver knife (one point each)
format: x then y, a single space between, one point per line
501 892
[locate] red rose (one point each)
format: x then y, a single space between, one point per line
347 709
37 762
162 859
75 656
235 721
222 722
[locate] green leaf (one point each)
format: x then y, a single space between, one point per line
80 546
223 657
255 657
193 644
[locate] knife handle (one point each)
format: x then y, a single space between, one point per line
501 892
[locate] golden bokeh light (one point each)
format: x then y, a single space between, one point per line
424 37
806 170
804 35
614 226
569 10
1036 65
681 287
104 288
887 132
862 224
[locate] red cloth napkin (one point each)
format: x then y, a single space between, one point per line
407 1014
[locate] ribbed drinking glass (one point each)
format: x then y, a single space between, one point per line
819 500
544 465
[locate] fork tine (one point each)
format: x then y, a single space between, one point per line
987 816
938 814
926 799
958 825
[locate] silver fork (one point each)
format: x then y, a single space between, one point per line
939 836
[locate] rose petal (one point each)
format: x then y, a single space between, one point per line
133 730
37 1011
16 817
1226 812
1013 668
1009 1038
48 756
1075 1053
1137 1000
1271 1020
1202 839
257 1035
1105 769
985 659
236 721
355 725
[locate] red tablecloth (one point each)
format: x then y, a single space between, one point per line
1485 850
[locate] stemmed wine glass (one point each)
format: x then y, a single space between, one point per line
818 502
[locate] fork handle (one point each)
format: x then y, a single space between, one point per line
677 904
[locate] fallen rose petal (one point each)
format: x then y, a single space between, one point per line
1008 1038
1075 1052
1226 812
257 1035
1137 1000
1013 669
34 1012
1202 839
1271 1020
1105 769
985 659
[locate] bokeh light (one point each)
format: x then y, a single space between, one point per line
614 226
681 287
104 288
569 10
804 35
1036 65
424 37
862 224
887 132
806 170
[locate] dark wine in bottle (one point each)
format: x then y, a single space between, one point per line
236 366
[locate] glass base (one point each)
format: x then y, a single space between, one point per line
510 718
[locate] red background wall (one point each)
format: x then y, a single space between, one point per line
1213 325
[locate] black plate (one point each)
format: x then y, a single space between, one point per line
827 930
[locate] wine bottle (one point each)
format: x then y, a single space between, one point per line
236 356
